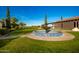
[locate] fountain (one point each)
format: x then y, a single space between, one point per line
47 32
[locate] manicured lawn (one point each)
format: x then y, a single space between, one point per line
30 45
21 31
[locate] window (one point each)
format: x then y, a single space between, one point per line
74 24
77 23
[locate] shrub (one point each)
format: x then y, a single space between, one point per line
3 31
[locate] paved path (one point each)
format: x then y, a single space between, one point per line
12 36
8 37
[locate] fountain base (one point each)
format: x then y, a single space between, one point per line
56 36
43 33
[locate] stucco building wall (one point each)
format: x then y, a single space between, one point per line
67 24
0 25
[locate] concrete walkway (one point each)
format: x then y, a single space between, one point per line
8 37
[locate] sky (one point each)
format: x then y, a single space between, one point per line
35 15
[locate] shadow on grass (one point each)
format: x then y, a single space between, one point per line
5 41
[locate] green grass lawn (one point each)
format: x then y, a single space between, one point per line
29 45
21 31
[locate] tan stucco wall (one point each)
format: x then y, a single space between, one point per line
0 25
66 25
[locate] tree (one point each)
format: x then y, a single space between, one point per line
46 22
22 25
3 23
14 22
61 22
45 26
8 24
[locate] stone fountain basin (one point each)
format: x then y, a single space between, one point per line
63 37
42 33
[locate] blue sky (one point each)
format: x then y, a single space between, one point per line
34 15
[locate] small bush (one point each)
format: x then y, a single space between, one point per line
3 31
